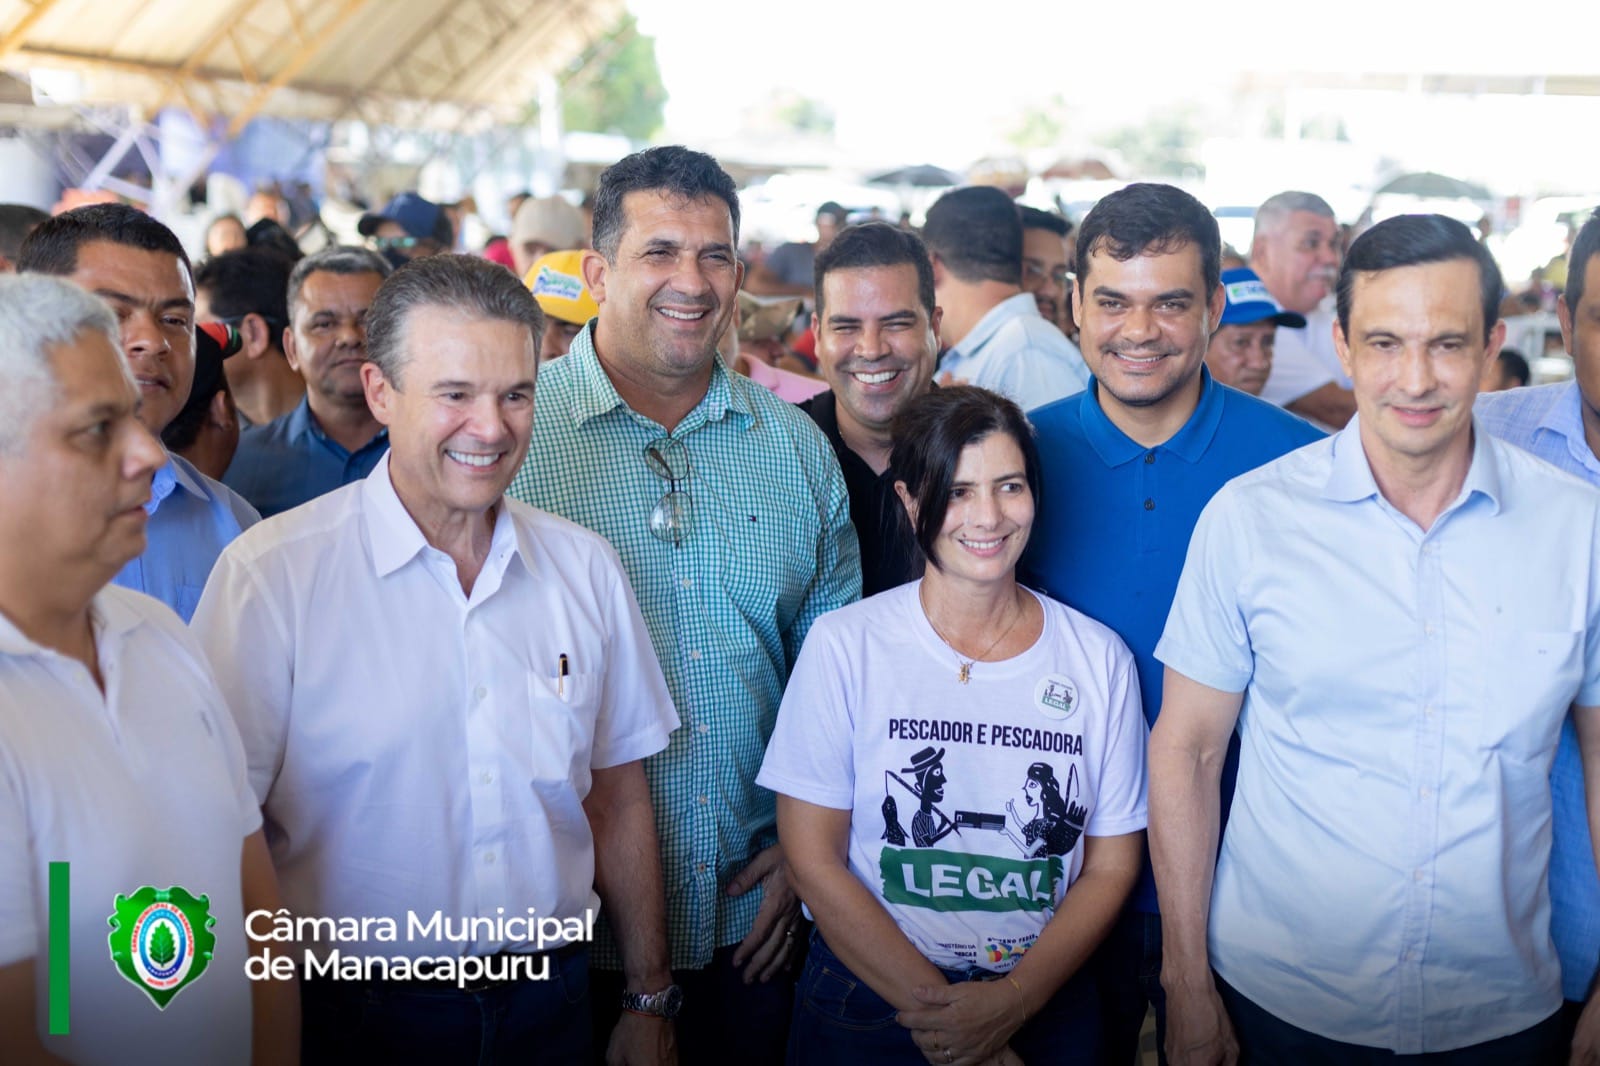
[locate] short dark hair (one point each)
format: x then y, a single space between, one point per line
468 283
1033 218
1514 363
247 281
877 244
977 234
52 248
16 222
1412 240
1150 218
343 259
679 172
1585 246
929 435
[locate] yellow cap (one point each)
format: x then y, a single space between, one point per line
556 281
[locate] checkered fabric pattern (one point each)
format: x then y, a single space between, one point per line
770 547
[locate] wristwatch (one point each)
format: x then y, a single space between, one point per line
663 1004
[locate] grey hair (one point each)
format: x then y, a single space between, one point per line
39 312
1275 210
464 283
340 259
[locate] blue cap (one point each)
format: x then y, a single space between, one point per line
1249 301
420 218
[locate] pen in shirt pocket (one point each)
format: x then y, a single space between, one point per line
563 667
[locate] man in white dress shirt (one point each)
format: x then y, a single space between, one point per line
445 696
122 782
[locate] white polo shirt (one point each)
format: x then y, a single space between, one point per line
416 750
1304 360
141 786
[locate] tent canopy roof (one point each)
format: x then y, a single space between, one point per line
433 63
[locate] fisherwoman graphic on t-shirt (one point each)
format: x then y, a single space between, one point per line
1053 826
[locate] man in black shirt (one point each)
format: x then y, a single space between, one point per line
877 335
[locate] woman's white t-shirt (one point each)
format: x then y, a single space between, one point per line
968 801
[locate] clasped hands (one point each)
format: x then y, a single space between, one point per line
966 1024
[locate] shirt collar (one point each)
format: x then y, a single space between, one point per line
596 395
1350 477
302 424
395 538
177 474
110 617
1564 418
1011 307
1115 447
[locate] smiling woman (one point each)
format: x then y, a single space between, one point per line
1007 727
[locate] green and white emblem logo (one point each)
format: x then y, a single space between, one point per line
161 940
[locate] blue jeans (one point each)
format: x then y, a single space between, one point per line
1266 1040
1127 969
840 1021
515 1023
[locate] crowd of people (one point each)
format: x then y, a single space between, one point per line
838 642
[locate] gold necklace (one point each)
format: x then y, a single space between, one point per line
964 674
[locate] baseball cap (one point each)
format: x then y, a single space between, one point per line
551 221
556 281
422 219
1249 301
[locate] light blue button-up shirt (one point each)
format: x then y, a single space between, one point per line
1547 421
1019 353
1382 879
192 518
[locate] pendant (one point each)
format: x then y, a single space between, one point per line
965 673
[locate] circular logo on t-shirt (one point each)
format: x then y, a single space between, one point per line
1056 697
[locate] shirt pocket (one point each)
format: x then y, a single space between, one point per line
561 718
1539 672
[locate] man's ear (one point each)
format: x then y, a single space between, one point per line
594 269
289 352
219 412
257 336
380 392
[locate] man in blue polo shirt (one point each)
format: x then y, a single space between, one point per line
1128 466
331 438
1561 424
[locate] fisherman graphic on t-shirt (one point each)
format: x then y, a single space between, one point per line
928 766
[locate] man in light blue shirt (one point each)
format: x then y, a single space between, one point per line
997 338
1400 691
139 267
1561 424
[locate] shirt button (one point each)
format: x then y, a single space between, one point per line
1149 505
480 693
488 858
1427 629
1428 710
486 777
703 728
1149 458
1417 876
700 867
1425 792
702 800
694 653
687 583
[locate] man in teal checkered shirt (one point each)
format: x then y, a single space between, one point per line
731 517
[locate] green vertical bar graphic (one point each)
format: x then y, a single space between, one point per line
60 945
